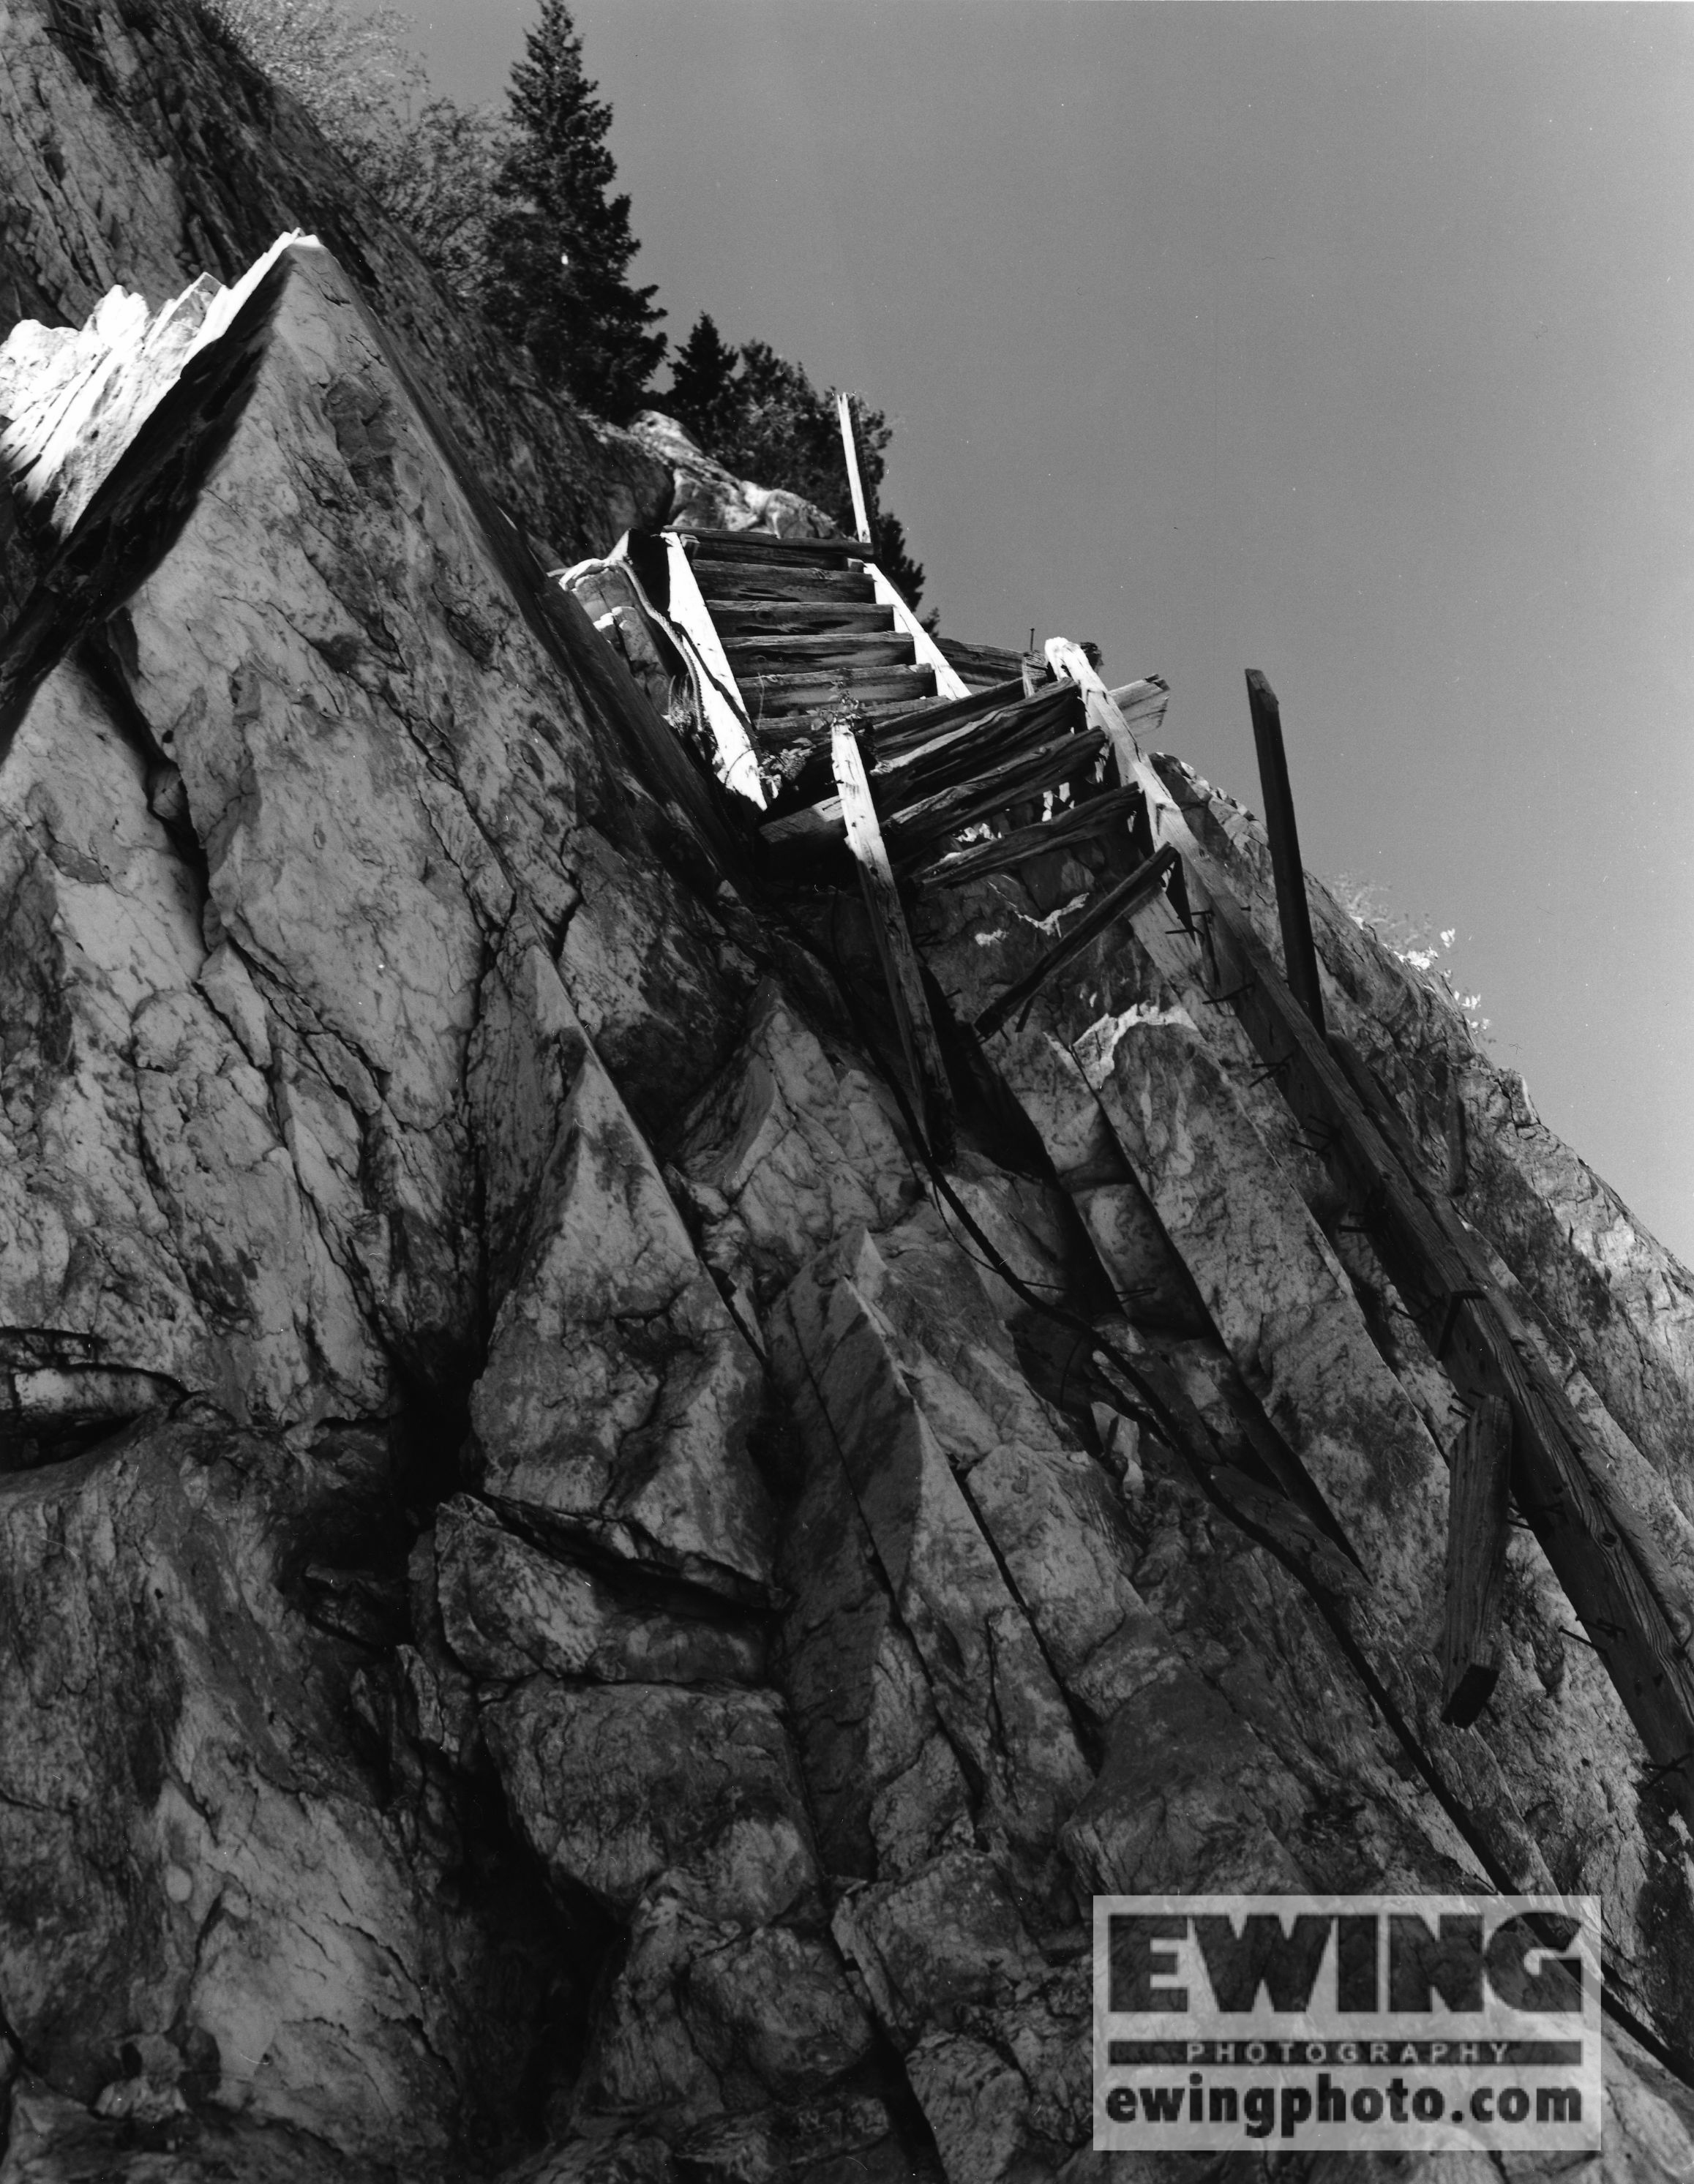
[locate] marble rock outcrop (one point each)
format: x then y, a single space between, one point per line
139 149
573 1608
706 495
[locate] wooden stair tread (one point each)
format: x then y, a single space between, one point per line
766 546
866 647
769 616
735 580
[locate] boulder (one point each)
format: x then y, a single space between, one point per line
705 496
615 1785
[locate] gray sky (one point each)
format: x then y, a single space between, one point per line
1352 342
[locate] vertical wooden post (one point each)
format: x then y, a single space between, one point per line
1478 1495
901 968
856 478
1298 950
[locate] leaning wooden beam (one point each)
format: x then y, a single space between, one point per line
855 482
1292 911
1129 896
1479 1500
921 1048
1617 1579
726 711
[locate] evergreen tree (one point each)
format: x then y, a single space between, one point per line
558 246
762 418
704 394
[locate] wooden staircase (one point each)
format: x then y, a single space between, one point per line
803 630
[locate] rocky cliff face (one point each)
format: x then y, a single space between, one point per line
138 148
567 1609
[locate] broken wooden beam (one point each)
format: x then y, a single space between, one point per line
1079 822
1121 901
1479 1500
1616 1577
925 1068
1029 775
946 745
1293 912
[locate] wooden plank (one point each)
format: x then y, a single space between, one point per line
768 695
966 754
1129 896
1100 815
985 711
1143 704
921 1048
980 663
766 546
803 649
1069 661
1293 913
726 710
956 734
856 479
1479 1500
1624 1594
765 580
769 616
1030 775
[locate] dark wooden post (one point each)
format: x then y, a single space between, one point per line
1478 1496
1298 951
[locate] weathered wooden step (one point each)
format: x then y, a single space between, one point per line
759 580
766 546
769 695
790 651
756 617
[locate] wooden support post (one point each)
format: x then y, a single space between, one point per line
1071 661
1600 1546
856 478
1298 951
901 967
1479 1496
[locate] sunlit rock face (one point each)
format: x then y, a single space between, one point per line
566 1613
706 496
138 148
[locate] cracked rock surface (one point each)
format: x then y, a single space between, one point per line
567 1614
